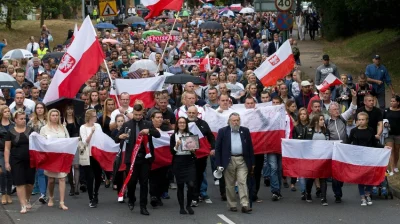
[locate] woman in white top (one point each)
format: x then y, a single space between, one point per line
93 171
54 129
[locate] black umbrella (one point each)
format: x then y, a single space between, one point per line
7 81
183 79
211 25
55 55
134 19
60 104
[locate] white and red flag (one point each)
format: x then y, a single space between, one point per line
330 81
78 64
162 152
104 150
139 89
276 66
267 125
359 164
52 154
307 158
157 6
181 45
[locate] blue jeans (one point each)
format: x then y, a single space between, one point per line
302 182
204 186
42 181
364 188
275 163
266 171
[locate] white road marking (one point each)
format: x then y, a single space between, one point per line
223 217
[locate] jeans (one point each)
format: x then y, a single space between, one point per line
5 177
266 171
302 182
204 186
42 181
337 188
364 188
275 163
381 100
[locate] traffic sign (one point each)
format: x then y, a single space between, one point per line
284 21
107 8
284 5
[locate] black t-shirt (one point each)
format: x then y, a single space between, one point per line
167 115
106 126
361 92
362 137
375 116
394 121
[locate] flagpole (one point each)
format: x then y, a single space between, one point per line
112 83
169 37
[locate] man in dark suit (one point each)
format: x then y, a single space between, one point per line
234 153
274 45
142 165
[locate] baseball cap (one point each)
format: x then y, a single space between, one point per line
113 70
264 37
325 57
305 83
377 56
26 84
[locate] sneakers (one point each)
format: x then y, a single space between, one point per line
324 202
275 197
208 201
194 204
303 196
338 200
369 200
43 199
308 198
172 186
396 170
92 204
280 196
375 190
391 173
363 202
216 182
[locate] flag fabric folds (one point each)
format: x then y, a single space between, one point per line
52 154
330 81
157 6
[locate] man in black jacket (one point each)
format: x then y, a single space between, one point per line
142 165
201 163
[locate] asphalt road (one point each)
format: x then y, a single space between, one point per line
290 209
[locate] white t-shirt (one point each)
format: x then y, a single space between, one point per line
27 103
183 113
229 111
116 112
85 131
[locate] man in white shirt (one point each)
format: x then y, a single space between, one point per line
32 45
224 105
27 102
124 109
189 100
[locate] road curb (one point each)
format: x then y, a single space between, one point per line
396 192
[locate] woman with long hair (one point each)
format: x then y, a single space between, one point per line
393 140
317 131
16 156
55 129
93 171
72 124
291 109
183 165
222 77
36 123
94 101
11 70
5 177
176 95
106 84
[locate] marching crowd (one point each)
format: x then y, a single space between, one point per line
354 112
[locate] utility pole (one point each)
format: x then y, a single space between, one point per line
83 9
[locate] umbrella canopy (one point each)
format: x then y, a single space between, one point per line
60 104
184 13
110 41
17 54
138 24
137 74
183 79
247 10
175 33
207 6
151 33
104 26
228 13
211 25
144 64
235 7
7 81
134 19
55 55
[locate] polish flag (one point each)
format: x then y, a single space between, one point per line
78 64
330 81
52 154
205 64
276 66
139 89
181 45
104 150
157 6
162 151
359 164
267 125
307 158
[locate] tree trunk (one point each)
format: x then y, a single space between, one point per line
9 17
42 11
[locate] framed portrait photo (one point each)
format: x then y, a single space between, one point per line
190 142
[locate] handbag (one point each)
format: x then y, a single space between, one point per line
83 149
50 38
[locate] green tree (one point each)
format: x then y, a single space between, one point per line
16 9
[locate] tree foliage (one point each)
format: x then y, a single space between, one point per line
341 18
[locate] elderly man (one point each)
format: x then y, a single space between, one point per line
201 163
234 154
34 70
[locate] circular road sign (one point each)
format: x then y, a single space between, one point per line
283 5
284 21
